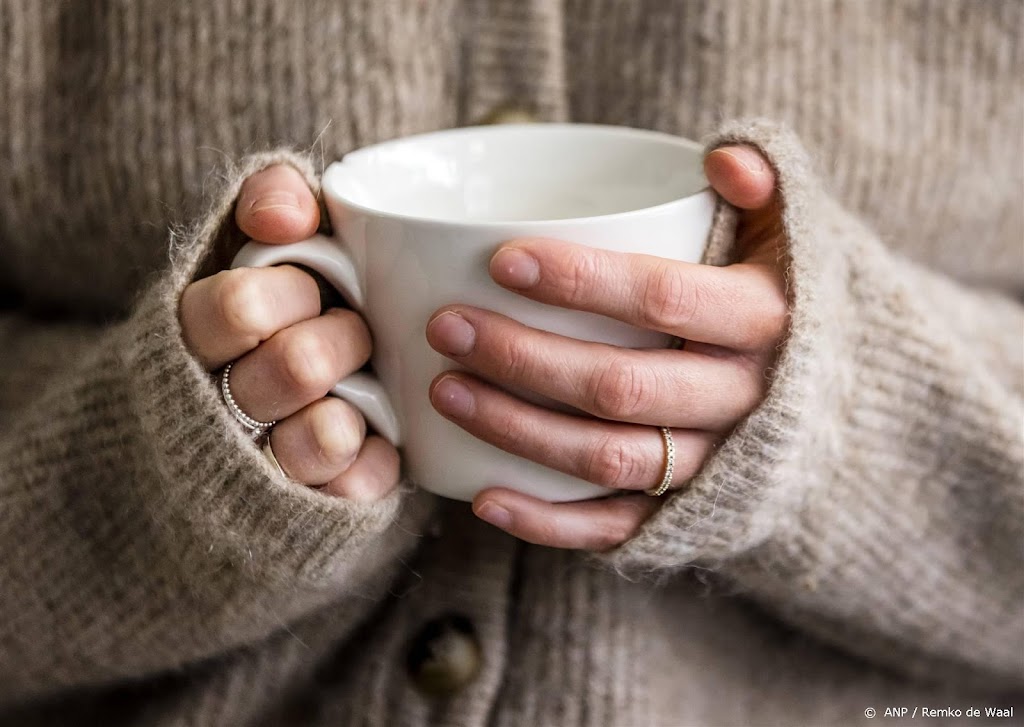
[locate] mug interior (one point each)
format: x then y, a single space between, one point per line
514 173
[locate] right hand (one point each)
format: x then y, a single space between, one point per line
287 354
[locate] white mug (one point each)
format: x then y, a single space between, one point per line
416 221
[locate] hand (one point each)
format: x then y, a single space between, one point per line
732 319
287 354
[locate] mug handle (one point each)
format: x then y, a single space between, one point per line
326 257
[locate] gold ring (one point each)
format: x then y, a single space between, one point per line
670 463
268 452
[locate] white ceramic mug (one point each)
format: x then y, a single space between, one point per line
416 222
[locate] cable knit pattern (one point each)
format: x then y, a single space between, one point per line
856 542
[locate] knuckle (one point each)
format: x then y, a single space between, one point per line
336 435
581 270
516 359
508 429
613 462
669 299
620 390
307 364
241 304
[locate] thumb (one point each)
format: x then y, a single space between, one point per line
741 175
276 206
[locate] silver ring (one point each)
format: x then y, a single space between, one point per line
268 452
670 463
255 427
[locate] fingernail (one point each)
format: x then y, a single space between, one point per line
515 268
451 334
453 398
496 515
278 199
748 159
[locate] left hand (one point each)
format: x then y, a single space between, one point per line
732 318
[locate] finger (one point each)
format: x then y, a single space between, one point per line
656 387
232 312
277 206
300 364
373 475
611 454
319 442
741 175
589 525
744 178
741 306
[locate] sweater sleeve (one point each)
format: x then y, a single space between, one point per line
875 498
140 528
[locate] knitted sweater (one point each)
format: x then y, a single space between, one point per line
856 542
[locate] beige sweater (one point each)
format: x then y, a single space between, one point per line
856 543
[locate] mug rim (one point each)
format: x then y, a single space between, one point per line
668 139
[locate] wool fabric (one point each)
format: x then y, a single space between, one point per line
856 542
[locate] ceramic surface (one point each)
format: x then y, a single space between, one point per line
417 220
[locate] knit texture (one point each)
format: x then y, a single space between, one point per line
809 515
166 506
855 542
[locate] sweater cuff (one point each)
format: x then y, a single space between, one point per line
214 484
735 502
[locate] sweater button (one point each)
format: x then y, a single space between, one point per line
445 655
